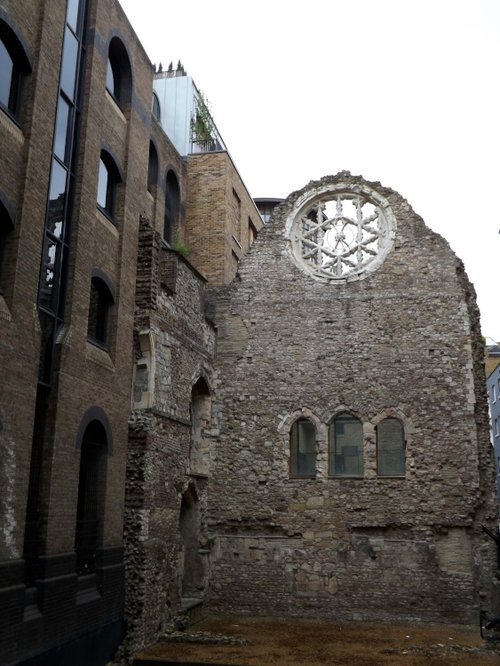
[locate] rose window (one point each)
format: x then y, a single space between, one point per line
342 234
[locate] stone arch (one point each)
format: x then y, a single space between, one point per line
193 568
201 415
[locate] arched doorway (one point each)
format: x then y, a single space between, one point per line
190 524
91 491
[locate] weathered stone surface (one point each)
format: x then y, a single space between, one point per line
402 342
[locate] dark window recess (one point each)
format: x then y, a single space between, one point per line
152 167
119 73
101 301
108 180
172 208
6 227
303 448
91 490
14 66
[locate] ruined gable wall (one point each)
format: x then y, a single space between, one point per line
397 343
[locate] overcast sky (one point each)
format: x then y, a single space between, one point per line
402 92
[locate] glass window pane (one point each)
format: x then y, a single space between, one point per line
72 18
110 78
49 273
102 185
69 63
303 448
61 147
346 446
6 71
390 448
57 197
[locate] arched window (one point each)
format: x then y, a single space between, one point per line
119 73
6 226
14 66
91 494
303 448
346 446
108 179
101 302
156 107
152 167
201 406
390 448
172 207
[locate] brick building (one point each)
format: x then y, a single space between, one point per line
264 465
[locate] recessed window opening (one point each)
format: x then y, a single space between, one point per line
108 180
390 448
172 208
14 66
119 73
6 227
101 302
152 167
91 491
303 448
346 446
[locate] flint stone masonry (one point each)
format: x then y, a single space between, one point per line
403 342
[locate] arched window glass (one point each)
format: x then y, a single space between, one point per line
346 446
156 107
390 448
303 448
152 167
91 492
14 66
172 207
119 73
101 301
108 180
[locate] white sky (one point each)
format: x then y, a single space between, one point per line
402 92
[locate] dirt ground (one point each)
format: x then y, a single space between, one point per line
251 641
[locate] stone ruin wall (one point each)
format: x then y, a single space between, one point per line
174 346
405 342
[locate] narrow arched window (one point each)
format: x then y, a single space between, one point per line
346 446
172 207
6 226
303 448
390 448
156 107
201 406
119 73
91 492
108 179
14 66
152 167
101 302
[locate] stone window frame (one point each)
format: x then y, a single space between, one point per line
294 465
327 192
332 474
322 423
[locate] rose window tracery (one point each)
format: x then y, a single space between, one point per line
341 234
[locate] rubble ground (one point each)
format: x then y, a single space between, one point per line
265 641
